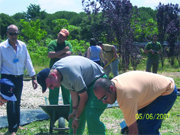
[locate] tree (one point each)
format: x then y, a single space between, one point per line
143 23
93 26
32 30
79 47
146 13
34 12
5 21
18 16
169 25
59 24
117 14
74 32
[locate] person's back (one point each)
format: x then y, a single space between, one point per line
109 58
83 69
108 53
137 89
142 97
95 53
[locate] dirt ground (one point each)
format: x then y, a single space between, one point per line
172 74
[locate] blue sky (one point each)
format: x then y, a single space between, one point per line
11 7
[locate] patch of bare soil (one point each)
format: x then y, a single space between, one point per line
172 74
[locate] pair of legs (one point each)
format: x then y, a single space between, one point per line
113 66
152 63
54 99
13 108
158 109
91 114
54 96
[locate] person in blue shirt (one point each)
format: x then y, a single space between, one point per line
94 52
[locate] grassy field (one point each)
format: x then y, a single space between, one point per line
113 116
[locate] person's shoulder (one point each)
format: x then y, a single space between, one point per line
4 43
107 45
158 43
149 43
21 42
53 41
67 42
98 47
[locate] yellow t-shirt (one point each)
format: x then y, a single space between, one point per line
137 89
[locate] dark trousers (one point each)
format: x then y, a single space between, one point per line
152 63
13 108
155 113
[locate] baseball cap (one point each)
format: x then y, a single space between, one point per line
6 90
41 78
64 32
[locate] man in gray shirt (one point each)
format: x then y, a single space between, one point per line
78 74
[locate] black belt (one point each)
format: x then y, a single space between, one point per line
16 76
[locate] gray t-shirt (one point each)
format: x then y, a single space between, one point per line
78 72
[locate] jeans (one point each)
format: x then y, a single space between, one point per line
159 107
113 66
13 108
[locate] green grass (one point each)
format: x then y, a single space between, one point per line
171 125
166 68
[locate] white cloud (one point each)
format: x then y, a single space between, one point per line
52 6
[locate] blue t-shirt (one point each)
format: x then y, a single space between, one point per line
78 72
95 53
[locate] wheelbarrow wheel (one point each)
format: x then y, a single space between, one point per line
61 122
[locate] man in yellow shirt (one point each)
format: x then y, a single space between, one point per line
144 98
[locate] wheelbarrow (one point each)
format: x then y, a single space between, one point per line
55 112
